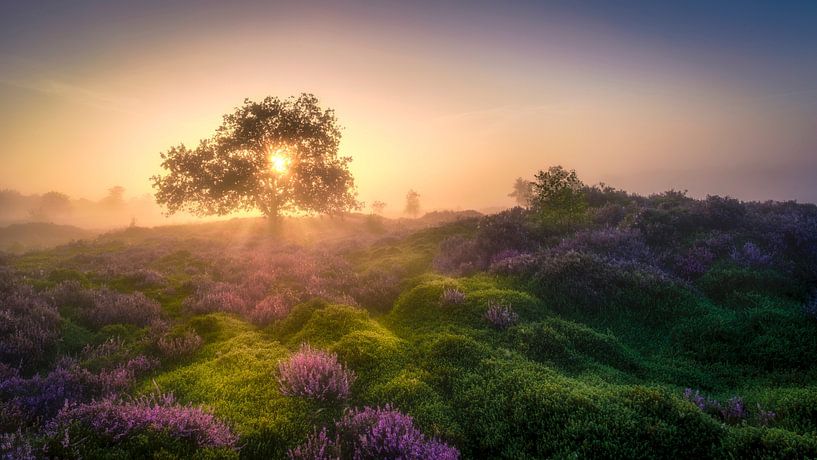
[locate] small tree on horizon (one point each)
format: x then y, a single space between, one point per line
378 207
412 203
558 195
522 192
274 156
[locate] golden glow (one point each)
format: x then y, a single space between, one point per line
279 161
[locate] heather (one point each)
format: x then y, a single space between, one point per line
593 323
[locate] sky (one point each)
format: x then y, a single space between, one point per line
452 99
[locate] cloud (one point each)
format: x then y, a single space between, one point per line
74 93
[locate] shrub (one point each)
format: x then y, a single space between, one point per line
314 374
272 308
609 243
211 297
97 308
145 278
507 230
377 289
733 411
29 327
42 396
751 256
511 262
458 256
500 316
112 308
374 433
14 446
723 284
176 346
116 420
452 296
318 446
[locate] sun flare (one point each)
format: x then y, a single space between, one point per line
279 161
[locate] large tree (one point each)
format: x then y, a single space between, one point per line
275 156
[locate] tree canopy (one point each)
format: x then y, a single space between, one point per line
558 195
275 156
412 203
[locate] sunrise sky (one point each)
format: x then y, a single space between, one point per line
453 99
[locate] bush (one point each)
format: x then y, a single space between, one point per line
271 308
500 316
373 434
315 374
174 346
112 421
97 308
724 283
42 396
29 328
113 308
459 256
376 289
452 296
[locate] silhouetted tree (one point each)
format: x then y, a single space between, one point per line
274 156
378 207
115 198
51 204
521 192
412 203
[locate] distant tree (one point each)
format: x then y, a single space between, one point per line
412 203
558 195
51 204
115 198
378 207
521 192
274 156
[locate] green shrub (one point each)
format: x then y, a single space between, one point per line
767 443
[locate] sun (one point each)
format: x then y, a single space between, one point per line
279 161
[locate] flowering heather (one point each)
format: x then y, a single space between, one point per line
119 420
43 396
765 417
374 433
500 316
104 351
733 411
694 396
377 288
314 374
318 446
511 262
29 327
172 346
212 297
100 307
272 308
608 243
452 296
695 262
751 256
458 256
145 278
112 307
14 446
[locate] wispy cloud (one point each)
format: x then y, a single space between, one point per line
75 93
